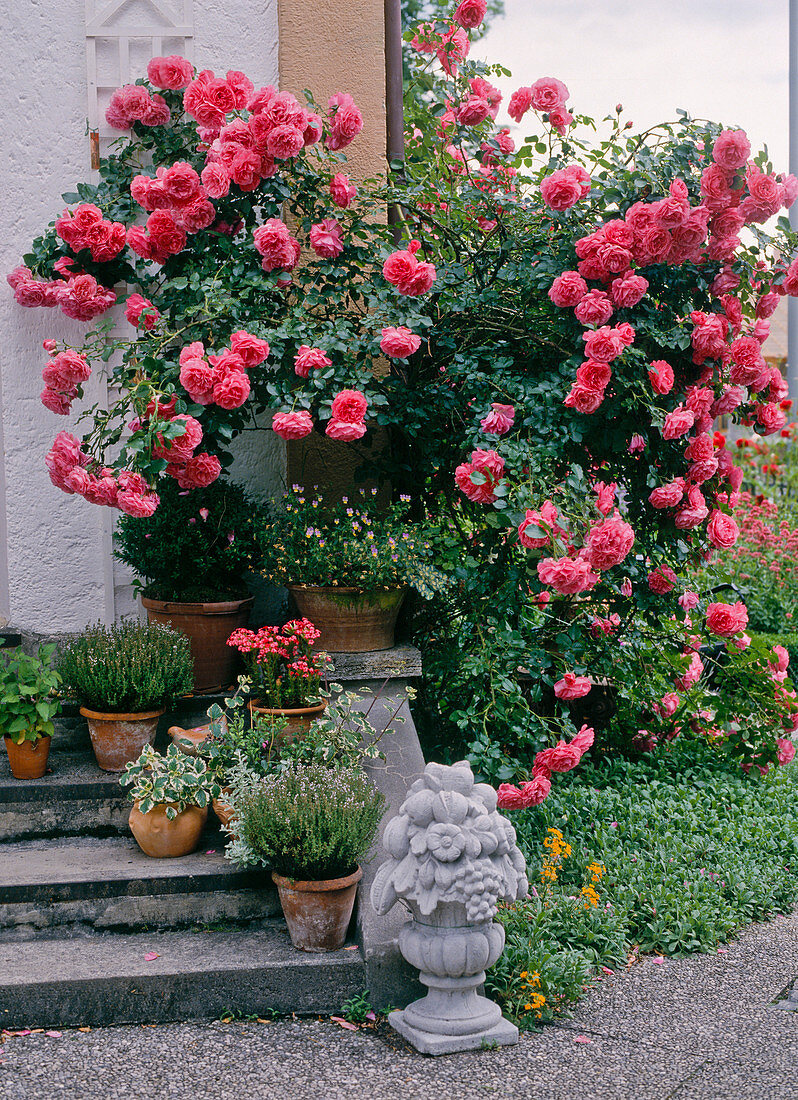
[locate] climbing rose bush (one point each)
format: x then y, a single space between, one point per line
564 318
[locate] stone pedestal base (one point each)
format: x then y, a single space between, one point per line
502 1034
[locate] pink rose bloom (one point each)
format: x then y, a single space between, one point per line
604 344
489 466
568 576
678 422
520 102
584 739
584 399
215 180
346 123
181 183
342 192
786 750
669 495
688 600
139 310
594 308
470 13
568 289
166 236
626 587
285 142
509 797
409 275
722 530
349 406
628 290
782 658
535 790
141 507
548 93
399 342
545 521
560 119
662 580
724 619
609 542
770 418
231 391
252 350
731 149
669 703
453 49
606 496
196 378
572 686
200 471
65 370
499 420
57 402
473 110
561 189
564 757
171 72
308 359
593 375
292 425
345 431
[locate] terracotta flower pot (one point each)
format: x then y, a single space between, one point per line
29 759
207 627
318 913
223 811
188 741
298 719
350 620
157 836
118 738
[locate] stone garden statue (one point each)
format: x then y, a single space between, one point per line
452 859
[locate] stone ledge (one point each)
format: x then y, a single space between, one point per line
402 662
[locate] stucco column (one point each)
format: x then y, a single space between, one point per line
335 46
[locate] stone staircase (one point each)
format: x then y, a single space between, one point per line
83 910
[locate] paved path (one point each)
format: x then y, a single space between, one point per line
699 1028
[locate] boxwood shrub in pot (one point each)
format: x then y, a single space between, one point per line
27 708
311 825
124 677
190 558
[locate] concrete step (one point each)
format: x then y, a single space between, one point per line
103 979
76 882
74 797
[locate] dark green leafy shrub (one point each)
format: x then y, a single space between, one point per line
130 667
196 546
27 701
309 822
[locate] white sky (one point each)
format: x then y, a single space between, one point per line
726 60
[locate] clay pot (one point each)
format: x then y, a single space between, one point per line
207 627
188 741
28 760
223 811
157 836
350 620
118 738
318 913
298 719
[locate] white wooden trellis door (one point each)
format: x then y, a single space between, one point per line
121 37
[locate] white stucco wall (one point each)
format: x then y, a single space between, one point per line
56 552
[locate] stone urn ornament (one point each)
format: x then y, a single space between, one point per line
452 859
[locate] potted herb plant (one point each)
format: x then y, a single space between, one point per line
124 677
348 565
311 825
171 794
286 672
190 557
27 709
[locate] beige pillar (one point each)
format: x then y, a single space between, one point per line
327 47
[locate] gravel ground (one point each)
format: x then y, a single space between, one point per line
698 1028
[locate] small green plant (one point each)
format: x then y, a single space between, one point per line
308 822
128 668
239 737
357 1009
351 544
195 547
27 702
174 779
